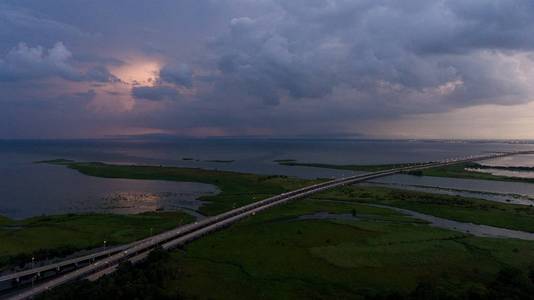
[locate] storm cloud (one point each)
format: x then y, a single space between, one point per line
27 63
269 67
177 74
155 93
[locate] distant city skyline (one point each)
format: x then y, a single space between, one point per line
427 69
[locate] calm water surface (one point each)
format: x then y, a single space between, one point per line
512 161
500 191
29 189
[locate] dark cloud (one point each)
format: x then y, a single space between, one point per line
22 23
390 52
178 74
99 74
157 93
26 63
84 96
92 58
307 65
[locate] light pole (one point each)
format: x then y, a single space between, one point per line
33 261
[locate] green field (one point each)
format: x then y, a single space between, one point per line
470 210
50 236
288 258
275 255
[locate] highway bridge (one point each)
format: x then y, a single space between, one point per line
108 260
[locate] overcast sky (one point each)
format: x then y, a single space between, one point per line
329 68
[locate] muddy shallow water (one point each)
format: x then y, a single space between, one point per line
469 228
508 198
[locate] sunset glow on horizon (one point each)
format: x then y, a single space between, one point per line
138 72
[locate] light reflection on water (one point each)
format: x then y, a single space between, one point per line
33 189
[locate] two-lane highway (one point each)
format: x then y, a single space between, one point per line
180 236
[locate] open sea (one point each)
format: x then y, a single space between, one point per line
28 189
